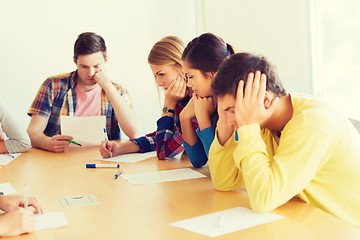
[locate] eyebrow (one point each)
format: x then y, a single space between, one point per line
84 65
227 109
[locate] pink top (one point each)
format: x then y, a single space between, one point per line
88 103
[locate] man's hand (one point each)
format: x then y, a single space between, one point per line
249 106
58 143
102 78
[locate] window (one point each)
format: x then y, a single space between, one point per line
335 31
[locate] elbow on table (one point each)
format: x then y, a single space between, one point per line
23 145
262 206
133 134
198 164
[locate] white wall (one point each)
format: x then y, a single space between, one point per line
37 39
277 29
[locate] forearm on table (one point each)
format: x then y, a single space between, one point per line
188 133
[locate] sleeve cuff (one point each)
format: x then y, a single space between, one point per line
143 144
165 122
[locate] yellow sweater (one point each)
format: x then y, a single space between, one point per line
317 159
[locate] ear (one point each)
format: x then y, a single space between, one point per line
267 100
74 60
106 59
211 74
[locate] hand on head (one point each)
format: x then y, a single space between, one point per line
177 89
102 78
253 105
204 106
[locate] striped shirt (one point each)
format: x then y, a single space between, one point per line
57 97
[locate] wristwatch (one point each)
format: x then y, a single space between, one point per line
166 110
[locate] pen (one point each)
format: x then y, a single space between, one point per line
117 174
71 141
99 165
26 204
107 140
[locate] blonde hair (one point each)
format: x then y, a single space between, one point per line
167 52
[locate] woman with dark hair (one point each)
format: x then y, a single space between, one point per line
201 60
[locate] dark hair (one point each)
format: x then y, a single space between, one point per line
237 67
89 43
206 52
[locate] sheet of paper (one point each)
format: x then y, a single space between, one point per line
130 158
7 188
88 131
162 176
50 220
224 222
6 158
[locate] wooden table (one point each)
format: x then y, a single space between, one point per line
144 212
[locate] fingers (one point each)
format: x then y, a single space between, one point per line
262 87
240 90
104 151
171 86
255 85
62 137
248 87
58 143
35 204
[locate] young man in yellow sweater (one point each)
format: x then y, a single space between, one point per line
288 144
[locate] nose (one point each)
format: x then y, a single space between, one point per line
189 84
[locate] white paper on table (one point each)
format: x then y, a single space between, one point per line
7 188
6 158
50 220
130 158
88 131
224 222
162 176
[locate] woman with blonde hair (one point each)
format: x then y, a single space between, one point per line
165 62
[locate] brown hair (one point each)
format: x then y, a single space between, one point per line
237 67
89 43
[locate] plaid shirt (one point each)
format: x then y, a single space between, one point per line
167 140
57 97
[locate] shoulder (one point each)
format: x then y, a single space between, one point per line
62 79
311 112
